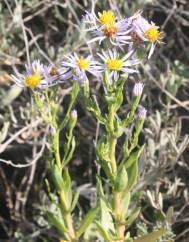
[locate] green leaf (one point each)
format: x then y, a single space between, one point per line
93 107
75 200
152 237
67 180
100 188
67 186
119 98
17 14
4 131
133 157
132 173
103 149
125 202
88 219
103 232
169 214
121 180
57 222
132 217
69 154
57 177
75 90
106 220
11 95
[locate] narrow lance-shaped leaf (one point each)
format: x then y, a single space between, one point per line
152 237
132 172
125 202
121 180
75 200
133 157
88 219
57 222
106 220
103 232
132 217
69 154
57 177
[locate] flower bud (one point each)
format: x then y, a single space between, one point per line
142 112
74 113
138 88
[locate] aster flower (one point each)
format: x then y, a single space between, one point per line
37 75
116 64
80 66
107 26
53 74
143 31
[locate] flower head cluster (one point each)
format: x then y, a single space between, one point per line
40 76
134 31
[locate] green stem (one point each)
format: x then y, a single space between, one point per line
69 224
65 212
113 140
120 227
57 148
117 196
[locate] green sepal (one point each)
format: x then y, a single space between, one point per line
152 237
88 219
121 180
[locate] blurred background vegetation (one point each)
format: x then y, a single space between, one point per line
48 29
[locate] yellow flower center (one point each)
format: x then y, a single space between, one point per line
33 81
110 31
83 64
106 17
114 64
152 34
